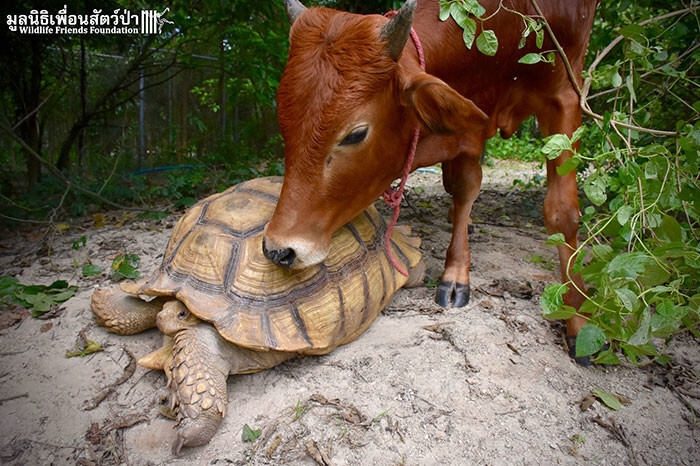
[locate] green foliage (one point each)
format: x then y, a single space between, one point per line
38 298
644 221
89 270
610 400
250 435
524 145
91 347
465 13
124 266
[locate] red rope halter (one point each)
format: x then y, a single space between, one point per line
393 196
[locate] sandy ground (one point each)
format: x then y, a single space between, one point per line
486 384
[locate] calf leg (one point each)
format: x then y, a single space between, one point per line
462 179
561 207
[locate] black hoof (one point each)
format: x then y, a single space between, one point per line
451 294
584 361
470 229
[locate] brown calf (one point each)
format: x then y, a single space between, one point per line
353 92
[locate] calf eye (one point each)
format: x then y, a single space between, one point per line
356 135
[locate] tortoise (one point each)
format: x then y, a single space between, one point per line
225 309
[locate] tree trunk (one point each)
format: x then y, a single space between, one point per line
29 129
222 90
83 107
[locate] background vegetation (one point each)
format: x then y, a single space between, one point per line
89 123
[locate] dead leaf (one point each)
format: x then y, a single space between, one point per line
273 446
316 453
352 417
9 318
513 349
438 327
587 402
99 220
62 226
167 412
93 434
46 327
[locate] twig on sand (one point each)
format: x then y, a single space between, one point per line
105 392
13 397
619 433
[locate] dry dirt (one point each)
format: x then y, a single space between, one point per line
486 384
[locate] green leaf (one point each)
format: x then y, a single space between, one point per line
64 296
654 275
569 164
552 298
630 88
578 263
124 266
555 145
624 214
530 58
534 259
628 265
670 229
589 340
563 313
632 31
616 80
487 42
642 335
650 171
457 11
250 435
91 269
603 252
609 399
469 26
628 298
444 11
607 357
577 134
594 187
555 239
60 284
539 37
8 285
667 318
90 348
474 7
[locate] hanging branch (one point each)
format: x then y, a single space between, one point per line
583 93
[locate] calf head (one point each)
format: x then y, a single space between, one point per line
347 107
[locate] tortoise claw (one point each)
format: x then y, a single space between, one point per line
584 361
452 294
179 443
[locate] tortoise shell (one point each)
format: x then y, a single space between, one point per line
214 264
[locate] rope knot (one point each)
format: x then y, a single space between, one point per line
392 197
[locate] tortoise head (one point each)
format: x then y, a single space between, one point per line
175 317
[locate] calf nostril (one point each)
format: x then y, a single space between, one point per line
286 257
281 257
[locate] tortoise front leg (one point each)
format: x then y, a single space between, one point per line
198 373
198 370
123 313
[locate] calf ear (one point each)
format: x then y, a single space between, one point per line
442 109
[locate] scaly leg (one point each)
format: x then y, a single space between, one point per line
199 368
123 313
